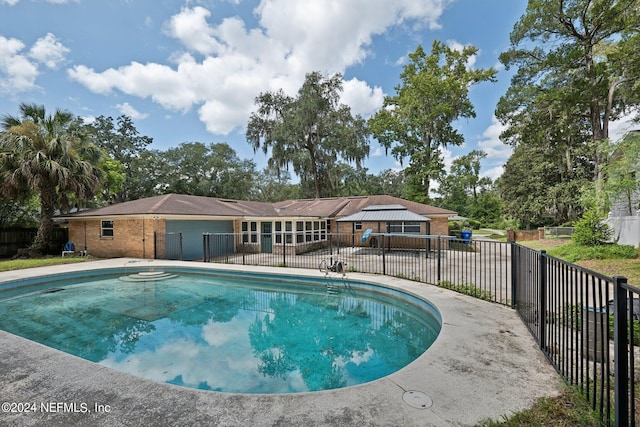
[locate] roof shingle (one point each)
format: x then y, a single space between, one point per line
181 204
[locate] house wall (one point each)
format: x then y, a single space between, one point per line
191 231
437 226
132 237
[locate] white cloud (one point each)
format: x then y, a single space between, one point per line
17 72
491 144
49 51
459 47
191 28
497 152
126 109
225 65
362 99
493 173
378 152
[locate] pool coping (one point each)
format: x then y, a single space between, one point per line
484 364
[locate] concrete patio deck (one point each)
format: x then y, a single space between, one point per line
484 364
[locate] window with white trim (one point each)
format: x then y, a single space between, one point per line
405 227
278 231
299 232
249 232
288 228
106 228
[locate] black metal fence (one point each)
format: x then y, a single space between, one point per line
579 319
586 324
167 246
477 267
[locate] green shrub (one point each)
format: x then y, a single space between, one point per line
636 330
590 230
474 224
456 225
467 289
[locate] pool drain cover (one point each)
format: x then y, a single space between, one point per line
417 399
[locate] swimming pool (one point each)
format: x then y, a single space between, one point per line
226 331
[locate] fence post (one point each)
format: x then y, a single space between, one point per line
620 352
205 254
330 244
514 272
384 265
180 234
284 248
226 245
542 303
439 247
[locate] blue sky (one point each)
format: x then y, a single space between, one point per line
190 70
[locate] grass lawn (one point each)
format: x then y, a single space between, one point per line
568 409
629 268
19 264
610 265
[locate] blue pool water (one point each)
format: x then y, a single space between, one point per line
227 332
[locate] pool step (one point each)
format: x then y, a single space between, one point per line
332 289
148 276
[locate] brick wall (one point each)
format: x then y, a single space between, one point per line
132 237
522 235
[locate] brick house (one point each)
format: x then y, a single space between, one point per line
141 228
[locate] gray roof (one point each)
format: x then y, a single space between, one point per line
386 213
384 208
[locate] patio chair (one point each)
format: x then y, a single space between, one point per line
69 249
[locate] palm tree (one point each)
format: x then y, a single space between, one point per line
48 154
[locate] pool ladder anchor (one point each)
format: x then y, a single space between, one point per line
336 267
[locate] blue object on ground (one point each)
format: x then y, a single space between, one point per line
466 236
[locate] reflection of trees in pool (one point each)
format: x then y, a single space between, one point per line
87 332
310 338
410 338
215 308
307 336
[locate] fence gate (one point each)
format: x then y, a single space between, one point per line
167 246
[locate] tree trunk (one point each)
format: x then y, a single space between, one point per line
42 243
314 167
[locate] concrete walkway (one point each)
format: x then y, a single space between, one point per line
484 364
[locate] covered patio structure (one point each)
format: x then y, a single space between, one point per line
396 220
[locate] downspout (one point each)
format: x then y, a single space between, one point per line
144 245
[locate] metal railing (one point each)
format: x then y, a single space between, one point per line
572 313
476 267
167 246
585 323
558 232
